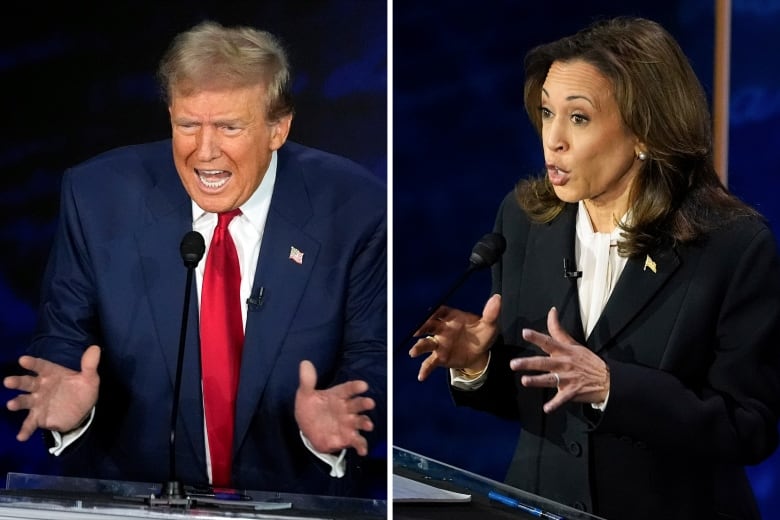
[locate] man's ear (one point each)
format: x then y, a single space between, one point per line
280 130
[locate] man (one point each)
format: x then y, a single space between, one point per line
306 237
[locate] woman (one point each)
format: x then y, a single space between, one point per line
636 318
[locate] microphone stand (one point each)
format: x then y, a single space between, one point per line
172 493
431 310
174 488
485 253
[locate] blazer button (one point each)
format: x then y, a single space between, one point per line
575 448
642 445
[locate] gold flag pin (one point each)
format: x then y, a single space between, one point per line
649 263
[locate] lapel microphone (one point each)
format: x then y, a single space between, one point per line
569 274
255 301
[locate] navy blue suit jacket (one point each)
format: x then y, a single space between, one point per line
116 279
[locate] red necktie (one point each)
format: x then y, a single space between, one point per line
221 340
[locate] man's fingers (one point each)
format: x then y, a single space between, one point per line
29 362
12 382
23 383
13 404
365 424
356 387
348 390
29 426
360 404
90 359
20 402
360 444
307 376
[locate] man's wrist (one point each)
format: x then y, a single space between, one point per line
65 439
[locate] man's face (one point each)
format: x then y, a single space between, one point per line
222 144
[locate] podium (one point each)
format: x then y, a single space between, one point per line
487 498
48 497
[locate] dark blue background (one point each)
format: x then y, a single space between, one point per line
461 139
78 82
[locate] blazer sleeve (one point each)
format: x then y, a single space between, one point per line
497 395
67 321
364 353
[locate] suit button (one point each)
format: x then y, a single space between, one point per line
575 448
580 506
641 445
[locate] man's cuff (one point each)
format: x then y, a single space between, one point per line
337 463
63 440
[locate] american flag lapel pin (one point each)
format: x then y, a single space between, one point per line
649 264
296 255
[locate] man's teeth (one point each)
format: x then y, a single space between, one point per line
212 183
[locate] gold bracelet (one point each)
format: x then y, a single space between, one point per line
470 374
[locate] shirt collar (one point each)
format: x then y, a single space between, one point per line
585 226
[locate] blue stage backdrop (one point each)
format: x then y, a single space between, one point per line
77 83
461 140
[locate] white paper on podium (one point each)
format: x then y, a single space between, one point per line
408 490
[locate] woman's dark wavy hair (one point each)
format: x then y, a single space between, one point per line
677 196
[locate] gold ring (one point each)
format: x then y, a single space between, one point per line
432 338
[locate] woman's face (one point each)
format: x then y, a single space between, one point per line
589 152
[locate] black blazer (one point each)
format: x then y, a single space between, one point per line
692 349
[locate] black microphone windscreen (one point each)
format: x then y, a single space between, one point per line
487 251
192 248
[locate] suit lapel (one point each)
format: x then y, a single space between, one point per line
636 286
548 245
169 218
282 280
640 280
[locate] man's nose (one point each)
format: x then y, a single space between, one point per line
208 144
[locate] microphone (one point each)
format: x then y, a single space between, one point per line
569 274
192 248
255 301
485 253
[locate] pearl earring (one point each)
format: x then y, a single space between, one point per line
642 156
